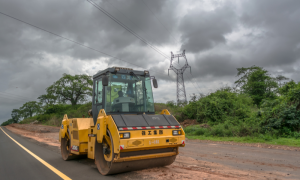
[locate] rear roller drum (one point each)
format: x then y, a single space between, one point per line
104 159
65 149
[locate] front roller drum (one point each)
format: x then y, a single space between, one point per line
109 167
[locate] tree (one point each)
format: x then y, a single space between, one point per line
280 78
244 73
47 99
10 121
15 115
256 82
72 88
30 108
287 87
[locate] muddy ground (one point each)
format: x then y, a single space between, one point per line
200 159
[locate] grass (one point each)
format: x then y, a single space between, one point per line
55 117
239 134
27 121
174 110
54 121
248 139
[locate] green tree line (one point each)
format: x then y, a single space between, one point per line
67 90
258 104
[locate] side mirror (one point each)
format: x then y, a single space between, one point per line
154 81
104 81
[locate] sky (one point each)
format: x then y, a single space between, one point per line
218 36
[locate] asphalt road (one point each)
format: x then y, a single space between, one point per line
16 163
211 158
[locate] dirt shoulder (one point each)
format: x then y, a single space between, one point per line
198 160
45 134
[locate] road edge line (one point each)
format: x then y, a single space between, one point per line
56 171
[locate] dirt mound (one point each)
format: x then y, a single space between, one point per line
36 128
189 122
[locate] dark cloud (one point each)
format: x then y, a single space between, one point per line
218 36
201 30
216 65
278 22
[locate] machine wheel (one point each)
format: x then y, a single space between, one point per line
65 149
104 160
106 166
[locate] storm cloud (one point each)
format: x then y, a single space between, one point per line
218 36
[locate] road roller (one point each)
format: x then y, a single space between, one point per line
122 133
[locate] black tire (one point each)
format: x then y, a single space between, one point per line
65 149
103 166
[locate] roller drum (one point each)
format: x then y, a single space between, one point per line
106 168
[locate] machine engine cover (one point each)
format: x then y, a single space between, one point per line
144 120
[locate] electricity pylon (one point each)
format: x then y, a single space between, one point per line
181 94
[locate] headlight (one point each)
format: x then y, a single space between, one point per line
124 135
176 132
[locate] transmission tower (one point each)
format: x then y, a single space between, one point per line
181 95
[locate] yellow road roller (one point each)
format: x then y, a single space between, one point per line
123 132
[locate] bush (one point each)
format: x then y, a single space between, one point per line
200 131
55 109
10 121
175 110
55 113
224 104
54 121
283 113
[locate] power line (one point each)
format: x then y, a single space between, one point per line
190 80
73 41
131 31
10 98
15 96
127 28
158 19
169 32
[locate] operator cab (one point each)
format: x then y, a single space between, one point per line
123 91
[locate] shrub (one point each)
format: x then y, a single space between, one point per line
220 106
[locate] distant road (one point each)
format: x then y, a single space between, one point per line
16 163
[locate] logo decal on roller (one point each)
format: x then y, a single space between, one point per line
75 148
62 126
98 126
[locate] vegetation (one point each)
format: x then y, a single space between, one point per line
256 82
71 89
261 108
68 95
53 114
251 139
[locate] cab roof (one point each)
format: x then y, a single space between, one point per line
121 70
